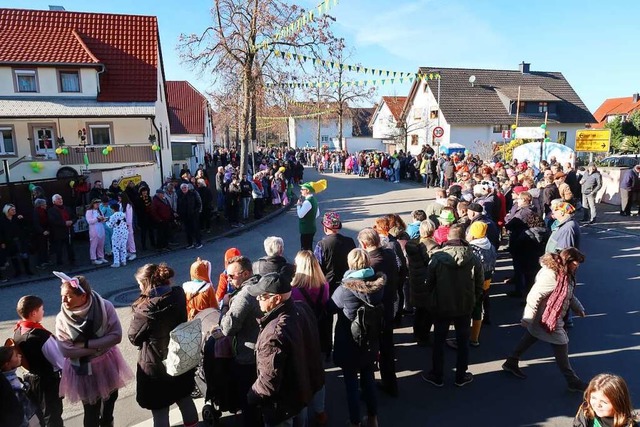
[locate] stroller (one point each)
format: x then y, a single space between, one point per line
214 378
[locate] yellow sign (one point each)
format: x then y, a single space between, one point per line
136 179
593 140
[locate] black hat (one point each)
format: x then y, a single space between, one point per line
271 283
475 207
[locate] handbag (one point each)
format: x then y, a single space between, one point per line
184 351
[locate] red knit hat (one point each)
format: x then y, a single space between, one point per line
230 253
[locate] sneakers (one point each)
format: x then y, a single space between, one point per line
96 262
577 386
432 379
114 265
511 366
474 343
131 257
123 263
102 261
198 246
190 247
466 379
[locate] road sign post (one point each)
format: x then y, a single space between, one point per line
593 140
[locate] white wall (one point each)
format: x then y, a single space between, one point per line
162 122
48 83
422 104
358 143
384 126
306 130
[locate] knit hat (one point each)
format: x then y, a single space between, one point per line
477 230
315 187
230 253
475 207
331 220
519 189
481 189
201 270
447 216
564 207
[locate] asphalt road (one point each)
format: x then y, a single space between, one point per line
607 340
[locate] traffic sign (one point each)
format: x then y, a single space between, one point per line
593 140
506 134
438 132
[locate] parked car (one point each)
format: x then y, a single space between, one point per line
620 161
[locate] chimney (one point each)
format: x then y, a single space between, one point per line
636 97
525 67
57 8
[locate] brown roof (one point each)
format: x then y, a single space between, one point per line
361 118
395 104
481 104
615 106
187 108
127 45
527 93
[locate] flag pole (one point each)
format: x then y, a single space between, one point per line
518 107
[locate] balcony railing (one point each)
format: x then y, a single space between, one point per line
119 154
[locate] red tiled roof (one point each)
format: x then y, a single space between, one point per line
186 108
127 45
615 106
395 104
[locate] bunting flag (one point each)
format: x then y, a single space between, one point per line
374 82
298 24
355 68
303 116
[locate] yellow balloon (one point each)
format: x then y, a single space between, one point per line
40 165
58 150
109 148
72 183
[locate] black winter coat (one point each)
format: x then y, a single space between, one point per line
383 260
58 229
14 235
274 264
149 330
346 300
189 205
419 254
331 252
289 361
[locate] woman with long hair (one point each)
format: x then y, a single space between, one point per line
310 286
88 332
548 301
607 403
157 311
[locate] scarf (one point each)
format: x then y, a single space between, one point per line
258 183
555 302
359 274
27 325
82 324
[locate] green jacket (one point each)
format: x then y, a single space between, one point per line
454 280
307 224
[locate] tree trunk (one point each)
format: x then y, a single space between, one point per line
246 117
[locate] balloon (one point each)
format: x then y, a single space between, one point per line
154 147
543 126
40 165
58 151
109 148
31 187
547 133
72 183
65 151
547 140
105 151
513 126
34 164
35 169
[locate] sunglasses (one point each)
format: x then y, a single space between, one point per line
235 276
265 297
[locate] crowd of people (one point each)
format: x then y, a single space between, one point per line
340 299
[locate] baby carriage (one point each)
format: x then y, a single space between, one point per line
214 378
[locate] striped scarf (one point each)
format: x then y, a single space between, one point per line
555 302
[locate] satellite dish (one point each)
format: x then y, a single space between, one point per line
472 80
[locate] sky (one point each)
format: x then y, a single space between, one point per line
594 44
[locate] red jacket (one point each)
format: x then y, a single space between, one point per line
161 210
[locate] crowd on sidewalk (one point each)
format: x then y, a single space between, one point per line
280 321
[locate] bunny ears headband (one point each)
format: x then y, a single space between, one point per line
74 282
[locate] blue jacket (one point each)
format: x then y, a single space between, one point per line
567 235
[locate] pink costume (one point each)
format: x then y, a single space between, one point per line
96 234
131 243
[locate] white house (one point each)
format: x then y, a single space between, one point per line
304 123
76 85
191 124
386 121
476 106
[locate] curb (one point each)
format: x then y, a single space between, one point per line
232 232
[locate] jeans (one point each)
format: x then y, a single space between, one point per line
299 420
396 175
462 325
387 355
245 376
60 245
192 228
367 385
422 323
101 412
246 201
589 206
560 351
187 409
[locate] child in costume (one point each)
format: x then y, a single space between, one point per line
119 236
199 291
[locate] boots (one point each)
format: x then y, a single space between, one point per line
476 325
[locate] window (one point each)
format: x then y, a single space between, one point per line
562 137
324 138
6 141
433 114
69 81
417 114
44 142
100 134
414 139
543 107
500 128
523 106
26 81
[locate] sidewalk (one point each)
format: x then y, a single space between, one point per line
219 229
609 219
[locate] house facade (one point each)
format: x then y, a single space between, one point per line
83 93
303 126
478 107
613 108
191 123
386 121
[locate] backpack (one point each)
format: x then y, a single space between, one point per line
184 351
366 327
